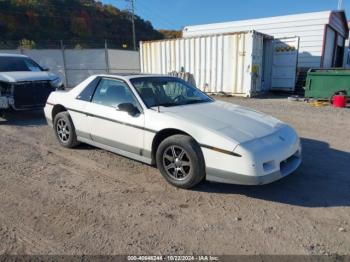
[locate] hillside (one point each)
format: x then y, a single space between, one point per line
84 23
171 34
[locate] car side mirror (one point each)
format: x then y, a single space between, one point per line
46 69
129 108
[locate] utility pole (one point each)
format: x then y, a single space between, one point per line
340 4
133 22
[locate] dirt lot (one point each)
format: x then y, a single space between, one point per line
89 201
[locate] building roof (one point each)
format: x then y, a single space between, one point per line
264 23
131 75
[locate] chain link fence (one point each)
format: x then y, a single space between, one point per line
69 44
74 61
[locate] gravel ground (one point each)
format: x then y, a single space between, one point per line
89 201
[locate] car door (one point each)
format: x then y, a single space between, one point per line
284 64
111 126
77 109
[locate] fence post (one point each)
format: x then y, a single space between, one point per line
20 47
64 64
107 57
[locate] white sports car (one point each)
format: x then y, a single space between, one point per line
164 121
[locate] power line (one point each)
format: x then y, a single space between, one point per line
133 22
158 14
57 16
155 18
150 11
132 11
52 6
155 14
340 4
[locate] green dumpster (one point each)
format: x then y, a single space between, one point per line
323 83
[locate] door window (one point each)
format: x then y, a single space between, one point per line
112 92
86 94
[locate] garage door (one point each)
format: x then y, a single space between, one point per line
284 66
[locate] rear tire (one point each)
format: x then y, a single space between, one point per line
180 161
64 130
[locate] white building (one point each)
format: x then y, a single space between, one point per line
319 39
321 35
347 52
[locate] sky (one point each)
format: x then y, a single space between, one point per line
175 14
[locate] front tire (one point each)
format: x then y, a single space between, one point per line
180 161
64 130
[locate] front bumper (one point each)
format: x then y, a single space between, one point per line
217 175
263 160
25 95
6 102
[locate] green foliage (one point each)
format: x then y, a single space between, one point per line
171 34
70 20
78 47
27 44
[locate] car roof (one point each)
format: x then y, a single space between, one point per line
129 76
12 55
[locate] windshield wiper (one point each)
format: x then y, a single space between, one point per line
166 104
196 102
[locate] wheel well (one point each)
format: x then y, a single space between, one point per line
160 136
57 109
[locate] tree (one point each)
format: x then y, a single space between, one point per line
27 44
170 34
85 21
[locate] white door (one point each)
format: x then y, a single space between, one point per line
284 65
329 48
111 126
77 110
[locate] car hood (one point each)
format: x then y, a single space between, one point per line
235 122
13 77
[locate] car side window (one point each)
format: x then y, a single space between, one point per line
113 92
88 92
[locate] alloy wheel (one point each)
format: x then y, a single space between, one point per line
63 131
176 162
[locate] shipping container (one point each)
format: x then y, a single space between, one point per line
318 37
236 63
322 34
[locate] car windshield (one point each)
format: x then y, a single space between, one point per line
168 91
18 64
